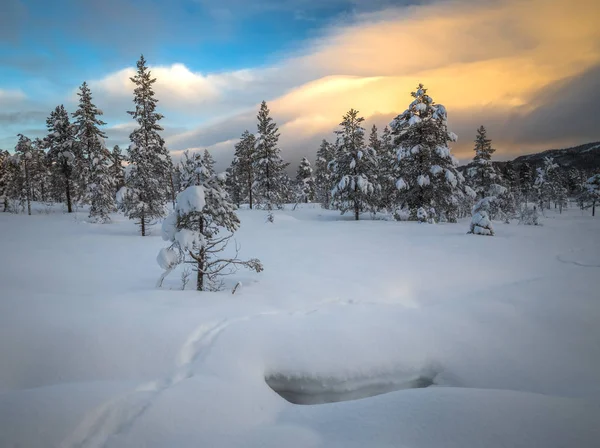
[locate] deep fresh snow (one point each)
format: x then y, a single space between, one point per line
416 335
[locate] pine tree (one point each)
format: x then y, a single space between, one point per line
202 213
4 178
233 183
526 180
25 152
14 183
429 180
545 181
269 168
64 153
193 170
101 186
208 162
116 167
242 168
388 171
149 178
323 174
305 181
355 184
87 131
482 175
592 193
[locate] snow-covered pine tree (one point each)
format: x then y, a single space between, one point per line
148 180
592 193
323 174
234 183
482 174
305 181
14 189
242 168
388 171
193 170
25 152
88 133
355 185
429 180
101 188
118 172
208 162
4 176
65 154
203 212
545 181
269 167
526 181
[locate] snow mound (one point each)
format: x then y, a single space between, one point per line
311 390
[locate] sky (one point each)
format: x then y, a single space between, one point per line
528 70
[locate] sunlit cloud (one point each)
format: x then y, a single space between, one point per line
483 60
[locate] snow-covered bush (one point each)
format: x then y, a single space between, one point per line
529 215
481 224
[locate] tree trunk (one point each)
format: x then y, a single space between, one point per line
68 192
250 194
143 223
172 189
201 260
594 208
356 211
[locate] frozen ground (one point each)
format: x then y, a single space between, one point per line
413 335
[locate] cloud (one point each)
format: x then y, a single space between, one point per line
520 68
489 63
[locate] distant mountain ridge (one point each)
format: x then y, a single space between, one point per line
584 157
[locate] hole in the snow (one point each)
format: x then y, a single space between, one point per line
319 390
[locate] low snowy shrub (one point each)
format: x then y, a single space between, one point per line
481 224
529 215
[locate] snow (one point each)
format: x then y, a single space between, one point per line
423 180
167 258
401 184
191 200
449 340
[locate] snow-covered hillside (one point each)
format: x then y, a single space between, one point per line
358 333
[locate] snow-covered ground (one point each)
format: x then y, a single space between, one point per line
504 331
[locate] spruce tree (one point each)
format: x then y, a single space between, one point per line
545 182
199 230
242 168
4 179
482 175
208 162
305 181
429 183
64 154
149 178
526 180
116 167
591 195
25 152
101 186
193 170
355 184
388 171
87 131
269 168
323 174
233 183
